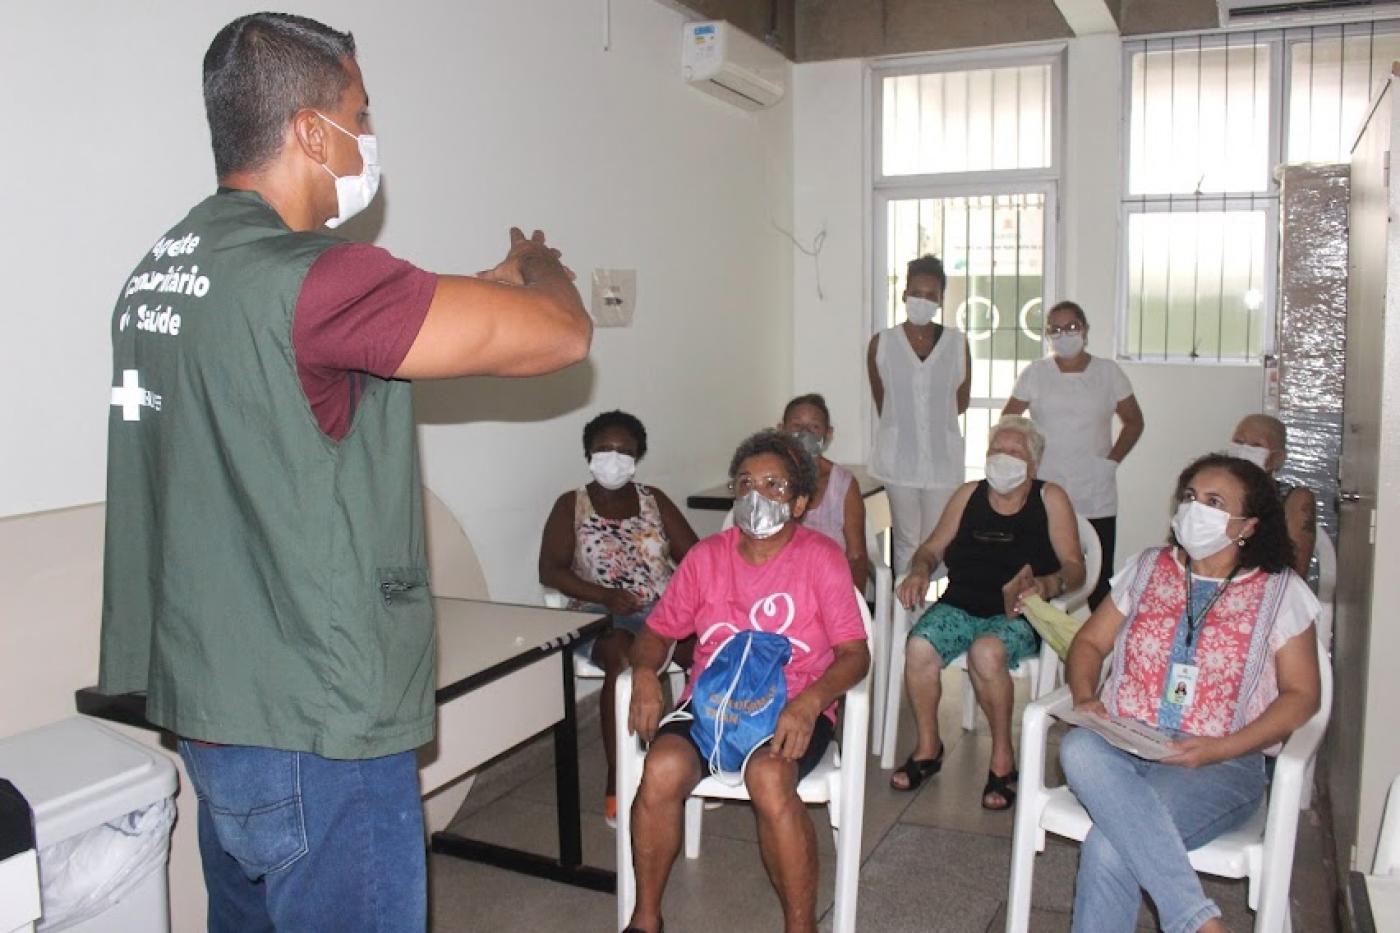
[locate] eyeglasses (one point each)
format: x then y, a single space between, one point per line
1067 329
770 487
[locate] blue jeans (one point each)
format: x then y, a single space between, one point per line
294 841
1147 816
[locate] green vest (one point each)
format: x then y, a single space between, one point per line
264 584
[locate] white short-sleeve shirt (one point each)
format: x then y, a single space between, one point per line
1075 413
1298 609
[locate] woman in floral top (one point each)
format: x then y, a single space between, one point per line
1213 641
612 545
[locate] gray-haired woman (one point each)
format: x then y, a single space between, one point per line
1002 538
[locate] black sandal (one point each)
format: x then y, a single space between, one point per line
660 928
916 770
1000 784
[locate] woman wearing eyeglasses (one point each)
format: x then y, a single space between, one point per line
1073 397
1212 640
771 573
1003 538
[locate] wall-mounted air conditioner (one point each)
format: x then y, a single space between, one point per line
1238 13
732 65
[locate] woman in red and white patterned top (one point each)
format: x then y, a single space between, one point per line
1213 641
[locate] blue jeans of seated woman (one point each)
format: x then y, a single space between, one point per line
294 841
1147 816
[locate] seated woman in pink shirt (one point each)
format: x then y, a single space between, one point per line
771 573
837 509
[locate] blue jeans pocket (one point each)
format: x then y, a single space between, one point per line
253 797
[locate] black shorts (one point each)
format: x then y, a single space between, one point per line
822 732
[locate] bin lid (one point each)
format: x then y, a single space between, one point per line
78 774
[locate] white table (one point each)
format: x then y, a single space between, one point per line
504 675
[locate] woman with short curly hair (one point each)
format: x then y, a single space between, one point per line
1212 640
768 572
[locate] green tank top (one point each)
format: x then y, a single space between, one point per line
263 584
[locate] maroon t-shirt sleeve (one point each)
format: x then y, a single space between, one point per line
359 310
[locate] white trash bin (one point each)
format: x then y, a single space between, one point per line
103 810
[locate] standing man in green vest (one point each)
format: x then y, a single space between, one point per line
266 581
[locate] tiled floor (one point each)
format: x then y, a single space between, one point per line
932 860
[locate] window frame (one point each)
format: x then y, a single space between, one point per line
1267 198
882 188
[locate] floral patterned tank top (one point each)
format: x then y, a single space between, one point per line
632 553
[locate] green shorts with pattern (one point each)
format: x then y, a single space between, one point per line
952 631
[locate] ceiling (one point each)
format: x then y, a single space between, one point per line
817 30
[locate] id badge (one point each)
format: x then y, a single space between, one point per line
1181 687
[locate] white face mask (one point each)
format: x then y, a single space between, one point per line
611 469
920 311
354 192
1255 455
1067 345
1201 529
1005 472
760 517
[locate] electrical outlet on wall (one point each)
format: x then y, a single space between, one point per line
614 297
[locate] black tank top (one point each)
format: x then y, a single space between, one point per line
990 548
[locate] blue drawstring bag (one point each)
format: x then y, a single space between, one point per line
736 702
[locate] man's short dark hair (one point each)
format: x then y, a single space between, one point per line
927 264
258 72
615 419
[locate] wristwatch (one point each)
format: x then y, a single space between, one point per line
1060 580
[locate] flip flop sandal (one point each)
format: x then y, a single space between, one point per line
660 928
917 770
1000 784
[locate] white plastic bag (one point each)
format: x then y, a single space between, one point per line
85 874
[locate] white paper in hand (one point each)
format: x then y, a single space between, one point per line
1134 737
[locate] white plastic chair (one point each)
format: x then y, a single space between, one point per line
877 524
1326 555
838 781
1388 845
584 668
1042 671
1260 850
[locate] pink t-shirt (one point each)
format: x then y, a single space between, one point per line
804 593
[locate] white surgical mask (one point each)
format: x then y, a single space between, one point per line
1255 455
1067 345
809 442
354 192
611 469
1005 472
1201 529
760 517
920 311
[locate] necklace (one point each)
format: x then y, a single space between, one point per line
1195 622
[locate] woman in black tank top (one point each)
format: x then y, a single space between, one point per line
1003 538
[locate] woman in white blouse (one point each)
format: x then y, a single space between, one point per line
1073 397
921 380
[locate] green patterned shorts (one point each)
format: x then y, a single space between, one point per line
952 631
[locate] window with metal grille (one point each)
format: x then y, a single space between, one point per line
967 169
1206 120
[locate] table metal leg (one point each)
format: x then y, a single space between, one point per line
569 867
566 790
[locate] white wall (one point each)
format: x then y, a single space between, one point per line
1189 409
489 114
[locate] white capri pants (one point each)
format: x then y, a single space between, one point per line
914 512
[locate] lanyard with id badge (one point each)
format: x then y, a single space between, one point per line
1181 681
